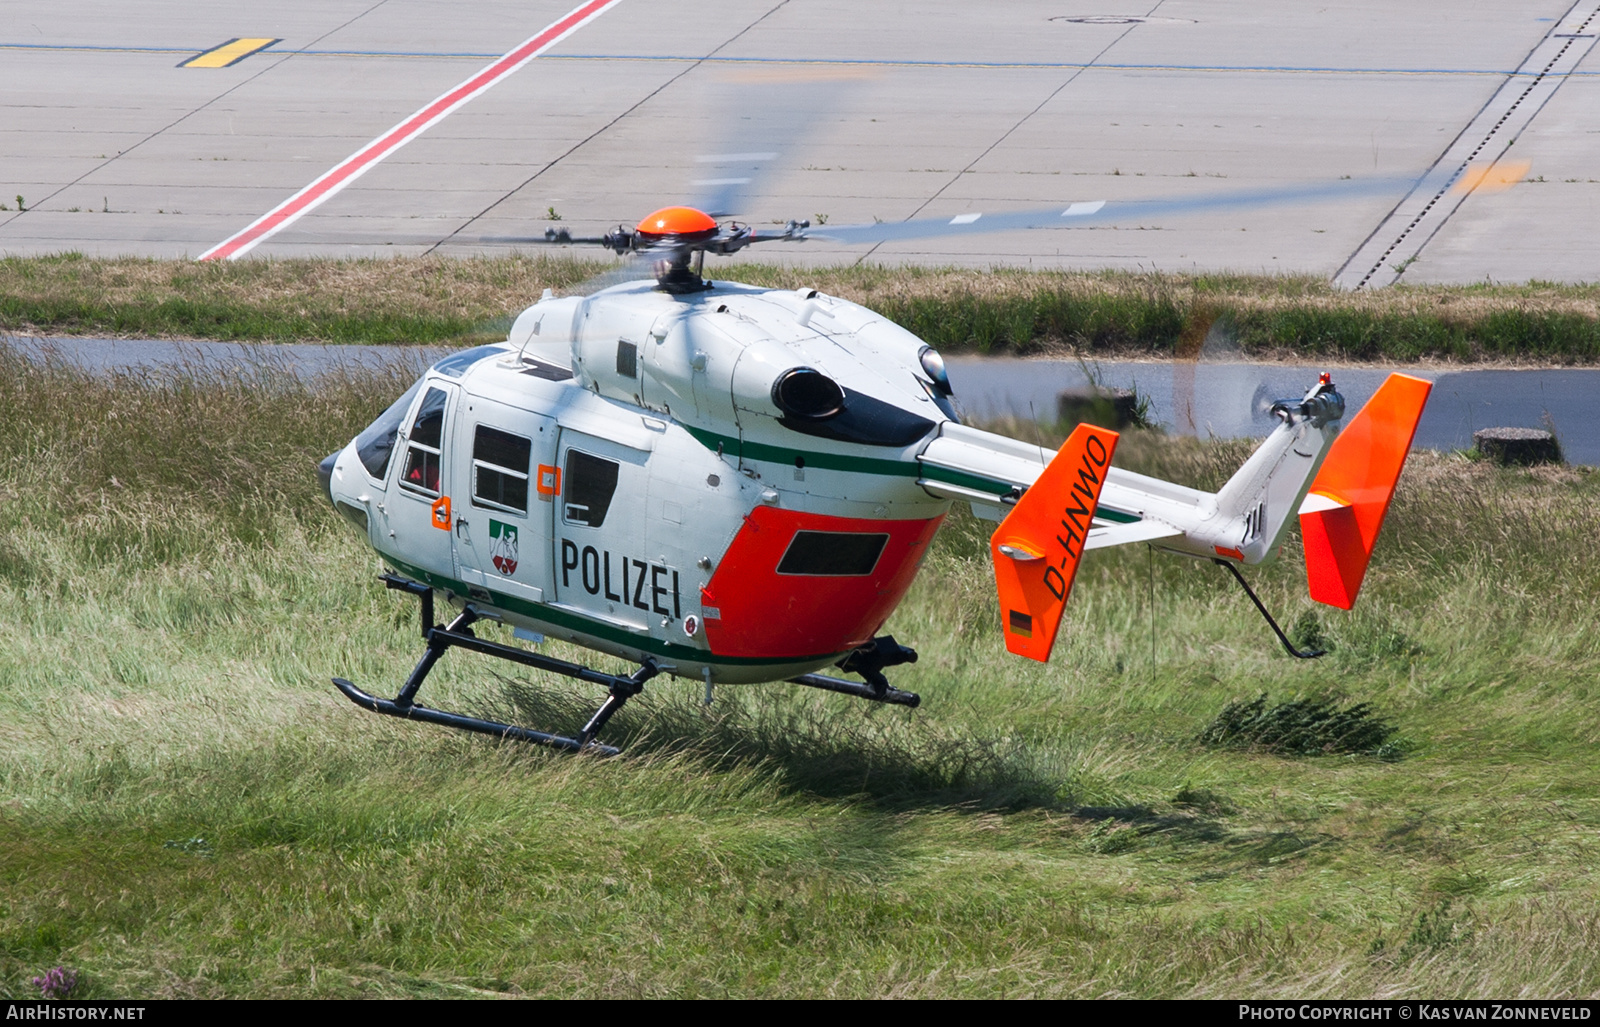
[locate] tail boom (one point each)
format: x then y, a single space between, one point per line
1065 505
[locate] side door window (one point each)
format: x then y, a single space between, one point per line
502 528
500 464
602 563
500 461
590 485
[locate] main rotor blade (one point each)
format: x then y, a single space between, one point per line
540 240
628 269
767 118
1101 212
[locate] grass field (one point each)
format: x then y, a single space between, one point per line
436 300
187 808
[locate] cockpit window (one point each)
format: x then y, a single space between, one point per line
422 451
374 445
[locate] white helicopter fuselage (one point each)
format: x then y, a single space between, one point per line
736 483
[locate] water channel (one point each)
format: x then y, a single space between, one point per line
1218 399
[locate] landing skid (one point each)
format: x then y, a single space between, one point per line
459 635
892 696
867 661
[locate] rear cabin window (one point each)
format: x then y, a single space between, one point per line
589 484
832 554
500 469
422 451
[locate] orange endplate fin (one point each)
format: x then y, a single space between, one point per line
1345 506
1037 548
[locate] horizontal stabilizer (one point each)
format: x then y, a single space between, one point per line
1344 509
1037 548
1104 536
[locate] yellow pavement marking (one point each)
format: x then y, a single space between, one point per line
231 52
1492 177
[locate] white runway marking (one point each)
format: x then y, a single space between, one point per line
1080 209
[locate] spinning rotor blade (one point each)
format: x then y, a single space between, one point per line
541 240
1099 212
769 117
731 175
631 268
336 237
617 241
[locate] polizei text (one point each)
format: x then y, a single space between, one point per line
622 579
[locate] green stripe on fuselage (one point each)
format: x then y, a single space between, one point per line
783 455
870 465
549 615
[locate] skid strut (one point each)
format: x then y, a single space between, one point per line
1303 654
459 635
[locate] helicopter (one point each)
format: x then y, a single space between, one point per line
735 485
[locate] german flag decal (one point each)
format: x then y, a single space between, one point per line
1037 547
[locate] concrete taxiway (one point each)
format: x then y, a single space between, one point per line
119 142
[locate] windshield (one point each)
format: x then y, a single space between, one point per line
375 444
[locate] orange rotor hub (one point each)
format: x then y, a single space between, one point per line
679 221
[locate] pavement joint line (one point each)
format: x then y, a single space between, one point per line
597 132
226 55
332 181
1407 221
186 116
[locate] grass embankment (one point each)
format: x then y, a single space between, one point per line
434 300
187 808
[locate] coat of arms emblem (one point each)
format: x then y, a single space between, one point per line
503 546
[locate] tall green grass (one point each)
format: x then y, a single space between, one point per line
187 808
434 300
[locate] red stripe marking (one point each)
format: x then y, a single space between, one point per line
352 167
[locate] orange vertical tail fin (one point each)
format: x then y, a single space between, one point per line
1345 506
1037 547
